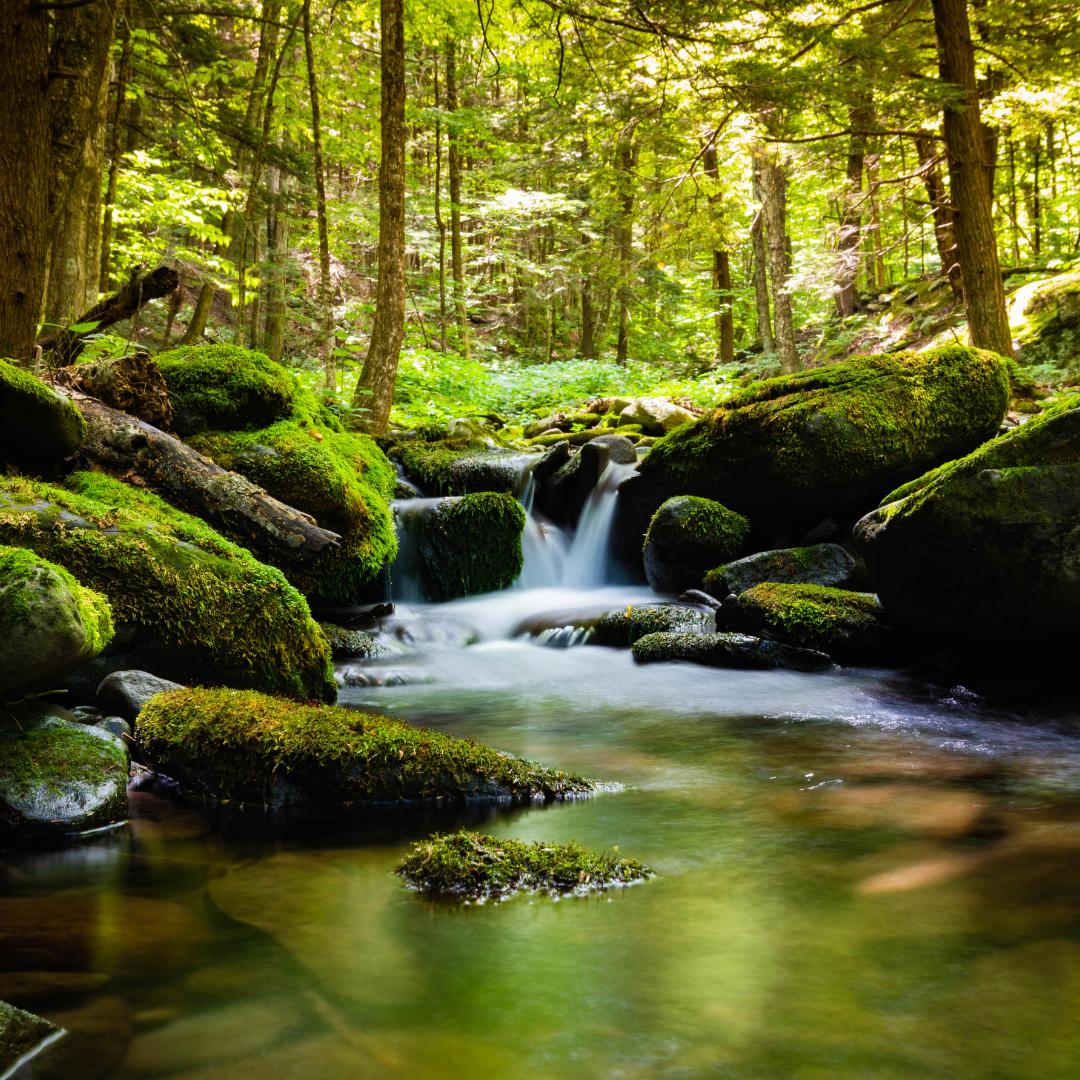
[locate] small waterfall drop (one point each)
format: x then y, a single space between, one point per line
409 515
543 545
589 562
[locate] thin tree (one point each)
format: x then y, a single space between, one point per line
457 262
375 388
774 207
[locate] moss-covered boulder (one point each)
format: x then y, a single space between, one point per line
454 466
244 746
58 777
49 623
346 644
790 451
623 628
818 564
687 536
727 650
37 426
468 865
988 546
471 544
849 626
218 614
225 386
20 1033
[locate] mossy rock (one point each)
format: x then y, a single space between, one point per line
987 547
454 466
849 626
688 535
727 650
244 746
793 450
37 426
227 617
341 479
623 628
470 545
58 777
225 386
49 623
818 564
348 644
468 865
20 1032
1050 333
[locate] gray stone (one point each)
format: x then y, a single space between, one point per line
124 693
619 448
821 564
622 628
116 725
727 651
657 416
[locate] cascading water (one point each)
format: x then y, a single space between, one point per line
409 515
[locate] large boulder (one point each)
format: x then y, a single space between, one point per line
49 623
57 776
124 693
988 546
37 426
217 613
791 451
562 496
688 536
248 747
471 544
657 416
454 466
819 564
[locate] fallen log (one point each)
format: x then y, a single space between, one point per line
133 449
132 383
143 286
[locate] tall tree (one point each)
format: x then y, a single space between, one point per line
626 149
457 261
375 389
774 207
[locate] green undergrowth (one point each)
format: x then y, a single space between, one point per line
468 865
235 745
174 577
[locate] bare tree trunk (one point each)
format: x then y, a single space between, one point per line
1033 196
276 233
457 265
774 186
976 244
197 326
326 344
627 158
24 173
725 315
941 210
116 144
440 221
849 239
761 280
376 383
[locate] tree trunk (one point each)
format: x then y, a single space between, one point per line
326 314
976 244
761 259
627 158
941 210
849 238
876 266
380 364
1033 196
440 221
116 144
725 315
774 187
199 315
78 99
276 233
457 264
24 173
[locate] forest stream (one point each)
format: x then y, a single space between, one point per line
857 875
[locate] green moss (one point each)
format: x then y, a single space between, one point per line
471 865
20 569
834 621
838 435
623 628
174 577
54 758
727 650
224 386
241 745
37 426
471 545
687 535
343 480
351 644
453 466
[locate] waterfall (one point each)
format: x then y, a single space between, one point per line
589 562
409 515
543 545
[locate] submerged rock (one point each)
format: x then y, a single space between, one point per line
468 865
987 547
819 564
216 613
623 628
242 746
49 623
687 536
20 1033
37 426
124 693
728 650
850 626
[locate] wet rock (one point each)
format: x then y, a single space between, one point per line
619 448
731 616
563 497
727 650
57 777
623 628
821 564
116 725
49 623
124 693
87 714
687 536
37 426
656 416
351 644
550 463
699 599
20 1033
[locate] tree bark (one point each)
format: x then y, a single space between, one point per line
132 383
326 313
276 238
199 315
116 143
725 315
376 383
774 187
976 244
941 210
78 97
24 174
440 221
761 259
457 262
626 163
849 238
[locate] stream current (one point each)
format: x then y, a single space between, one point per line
859 875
